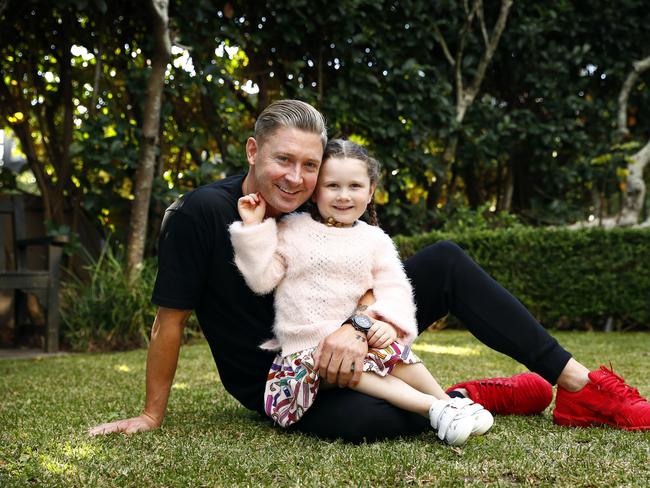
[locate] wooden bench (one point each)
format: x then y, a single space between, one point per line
44 283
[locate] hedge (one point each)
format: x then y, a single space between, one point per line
566 278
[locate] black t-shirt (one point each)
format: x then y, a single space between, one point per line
196 271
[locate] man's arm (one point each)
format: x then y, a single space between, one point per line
339 357
162 359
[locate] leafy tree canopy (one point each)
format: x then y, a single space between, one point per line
538 141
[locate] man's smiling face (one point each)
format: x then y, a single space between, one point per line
284 168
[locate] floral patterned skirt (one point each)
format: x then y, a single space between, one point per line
292 382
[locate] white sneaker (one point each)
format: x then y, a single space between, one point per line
483 419
452 420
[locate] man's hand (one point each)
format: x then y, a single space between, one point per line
251 208
162 358
339 357
141 423
381 335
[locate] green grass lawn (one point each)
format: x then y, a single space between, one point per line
209 440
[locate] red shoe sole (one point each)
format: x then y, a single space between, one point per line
567 421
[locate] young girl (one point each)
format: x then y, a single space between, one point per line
320 265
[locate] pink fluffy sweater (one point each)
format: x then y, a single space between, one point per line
319 273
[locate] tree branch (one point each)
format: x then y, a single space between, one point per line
96 80
460 89
623 97
24 133
642 65
472 13
481 18
66 95
458 64
642 157
464 98
493 43
161 23
443 45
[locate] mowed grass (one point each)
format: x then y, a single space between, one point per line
207 439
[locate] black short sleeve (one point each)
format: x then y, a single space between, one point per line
193 237
184 254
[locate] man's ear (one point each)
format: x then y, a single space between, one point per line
251 150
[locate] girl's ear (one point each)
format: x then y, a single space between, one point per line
373 187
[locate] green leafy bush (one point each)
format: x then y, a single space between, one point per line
465 219
566 278
104 311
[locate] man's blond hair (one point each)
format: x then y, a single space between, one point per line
292 114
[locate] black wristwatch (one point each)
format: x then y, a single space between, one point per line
360 322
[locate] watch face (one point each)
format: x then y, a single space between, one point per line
362 322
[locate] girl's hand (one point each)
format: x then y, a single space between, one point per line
252 208
381 335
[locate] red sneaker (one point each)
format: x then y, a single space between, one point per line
521 394
606 399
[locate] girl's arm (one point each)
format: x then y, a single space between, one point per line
381 334
255 243
392 292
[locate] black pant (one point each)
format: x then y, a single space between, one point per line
445 280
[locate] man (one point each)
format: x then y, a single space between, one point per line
196 272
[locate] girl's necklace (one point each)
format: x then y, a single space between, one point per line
332 222
329 221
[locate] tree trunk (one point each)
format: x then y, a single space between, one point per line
472 186
149 143
635 188
505 198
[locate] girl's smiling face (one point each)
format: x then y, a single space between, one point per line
343 190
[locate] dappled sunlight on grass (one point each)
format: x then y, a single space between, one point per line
451 350
209 439
82 450
56 466
211 376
